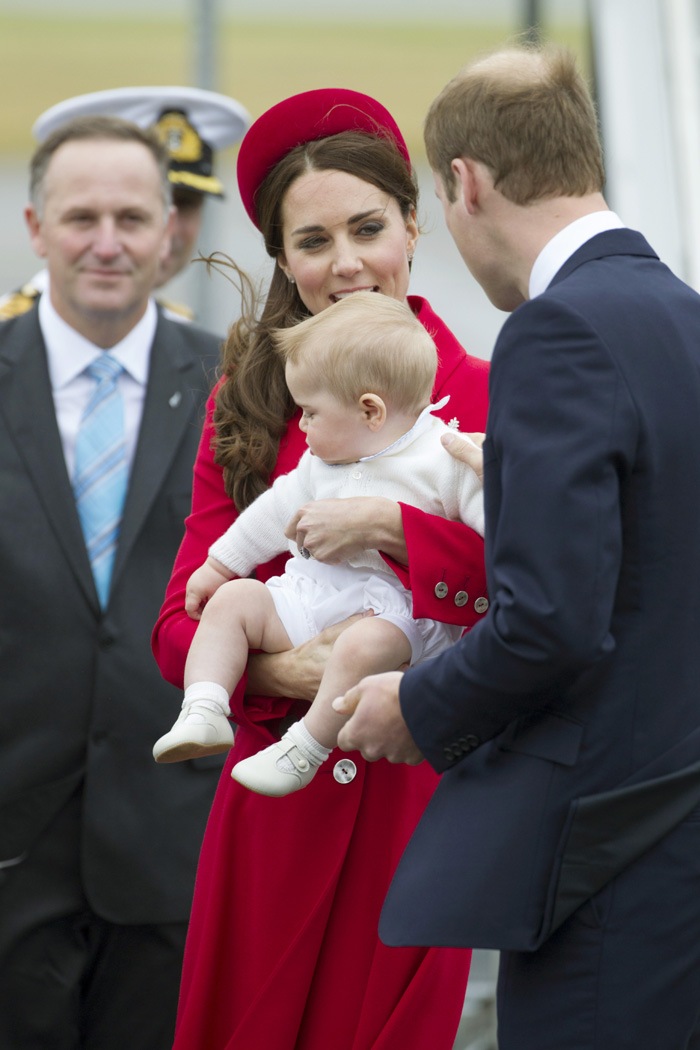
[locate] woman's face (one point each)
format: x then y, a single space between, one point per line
343 235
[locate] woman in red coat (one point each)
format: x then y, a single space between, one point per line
283 952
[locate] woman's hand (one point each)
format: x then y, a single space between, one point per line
296 673
334 530
467 448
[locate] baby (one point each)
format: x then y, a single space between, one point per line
362 372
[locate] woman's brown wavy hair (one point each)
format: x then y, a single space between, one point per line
253 405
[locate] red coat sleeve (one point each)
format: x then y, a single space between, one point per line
445 571
211 514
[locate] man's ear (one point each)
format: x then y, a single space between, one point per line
168 234
467 182
34 226
373 411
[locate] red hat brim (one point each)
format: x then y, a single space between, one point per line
303 118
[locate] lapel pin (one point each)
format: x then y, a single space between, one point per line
175 400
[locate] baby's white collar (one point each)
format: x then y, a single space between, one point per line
418 427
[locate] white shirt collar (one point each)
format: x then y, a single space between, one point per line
133 352
563 245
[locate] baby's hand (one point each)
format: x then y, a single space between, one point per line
204 582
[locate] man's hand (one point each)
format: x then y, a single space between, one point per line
297 672
376 727
466 448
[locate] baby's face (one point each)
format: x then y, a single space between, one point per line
335 432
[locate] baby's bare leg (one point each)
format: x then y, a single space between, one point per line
370 646
240 616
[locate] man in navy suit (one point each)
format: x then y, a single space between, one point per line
566 828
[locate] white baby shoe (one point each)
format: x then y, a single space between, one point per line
277 770
202 729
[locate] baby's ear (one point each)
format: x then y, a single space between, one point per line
373 411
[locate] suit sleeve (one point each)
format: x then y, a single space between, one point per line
562 431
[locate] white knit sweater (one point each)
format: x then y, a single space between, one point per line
415 470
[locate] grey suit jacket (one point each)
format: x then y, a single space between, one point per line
81 698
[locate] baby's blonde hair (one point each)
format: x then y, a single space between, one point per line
366 343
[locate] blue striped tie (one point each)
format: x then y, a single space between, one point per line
100 477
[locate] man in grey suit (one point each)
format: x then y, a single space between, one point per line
195 126
565 830
98 845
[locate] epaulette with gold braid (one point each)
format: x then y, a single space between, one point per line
179 311
15 303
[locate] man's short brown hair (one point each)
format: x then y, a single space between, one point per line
527 114
95 128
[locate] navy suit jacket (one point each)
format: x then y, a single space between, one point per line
82 698
567 723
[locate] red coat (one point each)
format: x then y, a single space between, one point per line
283 950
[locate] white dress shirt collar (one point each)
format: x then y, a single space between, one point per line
70 353
563 245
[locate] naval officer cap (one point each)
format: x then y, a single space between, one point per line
191 122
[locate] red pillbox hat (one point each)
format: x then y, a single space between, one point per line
303 118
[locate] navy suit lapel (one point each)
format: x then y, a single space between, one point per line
26 403
168 411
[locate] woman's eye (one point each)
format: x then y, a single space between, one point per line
370 229
311 243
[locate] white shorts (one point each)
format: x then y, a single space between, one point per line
310 596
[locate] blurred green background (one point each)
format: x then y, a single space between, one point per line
49 57
48 54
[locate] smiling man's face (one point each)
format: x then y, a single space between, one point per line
103 230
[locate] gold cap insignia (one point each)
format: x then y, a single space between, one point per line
179 137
